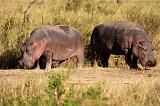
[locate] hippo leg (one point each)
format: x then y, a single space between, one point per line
38 65
48 60
134 63
131 61
96 60
42 62
104 59
93 58
35 65
128 60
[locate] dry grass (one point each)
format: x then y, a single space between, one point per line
85 86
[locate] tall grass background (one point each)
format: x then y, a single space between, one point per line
81 14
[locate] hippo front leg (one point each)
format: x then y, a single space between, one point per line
42 62
134 62
131 61
104 59
48 60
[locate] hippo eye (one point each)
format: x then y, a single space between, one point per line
28 51
145 49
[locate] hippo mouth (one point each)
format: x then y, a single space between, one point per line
26 63
149 63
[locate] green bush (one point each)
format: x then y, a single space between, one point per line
93 93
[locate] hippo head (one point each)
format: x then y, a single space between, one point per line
143 51
31 52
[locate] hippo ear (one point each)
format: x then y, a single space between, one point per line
143 46
23 47
34 44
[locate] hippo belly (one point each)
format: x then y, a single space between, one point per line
62 53
61 47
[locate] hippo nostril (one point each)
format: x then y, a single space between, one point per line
152 63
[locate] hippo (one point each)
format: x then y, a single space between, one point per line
57 43
121 38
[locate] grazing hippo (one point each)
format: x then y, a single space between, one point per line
122 38
54 43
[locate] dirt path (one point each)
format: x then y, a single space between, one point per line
112 74
85 75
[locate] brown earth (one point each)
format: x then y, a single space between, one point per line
84 75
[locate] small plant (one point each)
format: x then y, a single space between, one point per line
93 93
55 89
70 99
6 29
73 5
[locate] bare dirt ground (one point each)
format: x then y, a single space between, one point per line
112 74
84 75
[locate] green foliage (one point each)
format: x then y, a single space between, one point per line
149 19
35 101
70 102
55 89
20 101
71 98
55 83
6 31
93 93
73 5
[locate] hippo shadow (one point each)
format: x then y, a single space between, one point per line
9 59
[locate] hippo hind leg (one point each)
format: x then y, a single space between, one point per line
80 58
93 58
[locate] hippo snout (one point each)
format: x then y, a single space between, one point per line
26 63
151 63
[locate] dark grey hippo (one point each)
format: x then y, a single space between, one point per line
122 38
54 43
